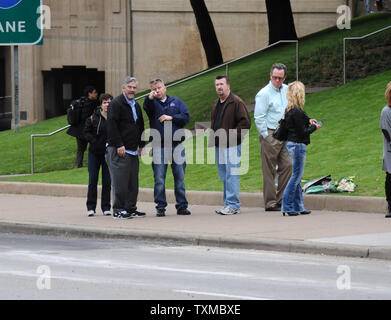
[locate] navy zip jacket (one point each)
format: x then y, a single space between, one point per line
173 107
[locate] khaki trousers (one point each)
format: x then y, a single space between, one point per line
274 154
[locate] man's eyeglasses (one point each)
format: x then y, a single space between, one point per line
277 78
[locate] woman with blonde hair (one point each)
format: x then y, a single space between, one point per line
299 126
385 126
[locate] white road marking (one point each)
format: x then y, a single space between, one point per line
214 294
110 264
84 278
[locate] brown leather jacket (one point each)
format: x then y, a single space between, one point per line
235 120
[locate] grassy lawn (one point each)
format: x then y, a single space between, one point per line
349 144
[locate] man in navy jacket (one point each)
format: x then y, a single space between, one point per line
167 117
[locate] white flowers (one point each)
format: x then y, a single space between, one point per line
346 185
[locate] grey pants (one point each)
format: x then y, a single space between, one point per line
124 179
274 154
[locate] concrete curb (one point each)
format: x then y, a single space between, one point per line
328 202
293 246
314 202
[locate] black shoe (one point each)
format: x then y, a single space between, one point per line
161 213
388 214
122 215
292 214
305 212
183 212
137 214
117 214
274 208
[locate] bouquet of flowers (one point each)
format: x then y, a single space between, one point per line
342 185
346 184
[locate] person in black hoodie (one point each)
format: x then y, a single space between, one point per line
125 125
95 132
300 126
88 103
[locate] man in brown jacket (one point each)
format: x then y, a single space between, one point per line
230 122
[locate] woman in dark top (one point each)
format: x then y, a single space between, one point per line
95 132
300 126
385 126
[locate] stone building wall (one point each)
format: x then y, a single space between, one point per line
146 39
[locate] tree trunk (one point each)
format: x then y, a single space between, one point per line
281 23
207 32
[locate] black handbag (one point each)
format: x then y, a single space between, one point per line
281 133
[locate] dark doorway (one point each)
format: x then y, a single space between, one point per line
61 86
2 77
5 101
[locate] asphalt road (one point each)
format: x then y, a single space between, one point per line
38 268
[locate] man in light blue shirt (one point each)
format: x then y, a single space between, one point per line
270 105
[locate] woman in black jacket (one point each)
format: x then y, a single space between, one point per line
95 131
299 126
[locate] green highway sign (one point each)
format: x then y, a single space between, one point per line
20 22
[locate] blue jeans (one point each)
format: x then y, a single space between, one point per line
228 163
367 6
94 164
161 158
292 200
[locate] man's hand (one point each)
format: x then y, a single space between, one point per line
121 151
165 118
141 152
152 95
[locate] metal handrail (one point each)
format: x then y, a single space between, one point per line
38 136
226 65
356 38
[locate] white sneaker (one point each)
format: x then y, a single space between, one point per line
107 213
219 210
91 213
229 211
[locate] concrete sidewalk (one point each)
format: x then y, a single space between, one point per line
336 226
